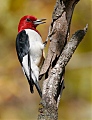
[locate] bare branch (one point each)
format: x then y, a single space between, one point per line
48 110
59 53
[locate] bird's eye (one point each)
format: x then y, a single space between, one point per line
28 20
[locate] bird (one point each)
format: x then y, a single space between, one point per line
29 48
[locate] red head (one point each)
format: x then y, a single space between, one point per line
29 22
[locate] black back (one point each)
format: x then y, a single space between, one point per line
22 45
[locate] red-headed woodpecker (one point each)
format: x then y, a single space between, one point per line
29 47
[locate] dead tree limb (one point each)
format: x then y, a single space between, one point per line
59 54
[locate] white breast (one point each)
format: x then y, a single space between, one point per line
36 45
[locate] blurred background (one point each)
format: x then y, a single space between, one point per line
16 102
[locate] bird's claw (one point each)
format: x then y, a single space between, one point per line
45 43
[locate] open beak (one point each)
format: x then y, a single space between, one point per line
39 21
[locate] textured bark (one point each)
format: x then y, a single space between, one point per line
58 31
59 53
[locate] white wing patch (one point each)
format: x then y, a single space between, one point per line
25 64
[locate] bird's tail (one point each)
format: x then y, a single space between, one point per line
31 86
36 85
38 88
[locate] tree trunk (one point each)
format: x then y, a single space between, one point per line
59 54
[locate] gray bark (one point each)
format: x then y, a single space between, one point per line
59 53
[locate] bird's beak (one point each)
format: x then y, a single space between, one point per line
39 21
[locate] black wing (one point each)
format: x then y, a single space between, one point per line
22 45
22 48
